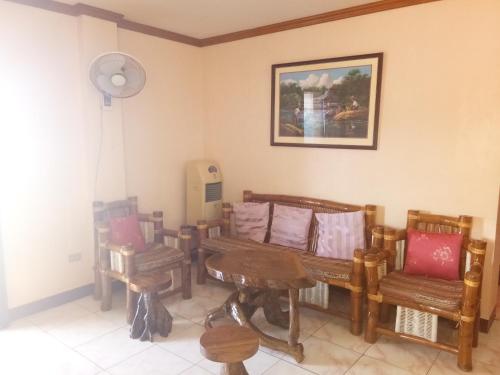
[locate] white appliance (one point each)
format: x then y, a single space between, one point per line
204 191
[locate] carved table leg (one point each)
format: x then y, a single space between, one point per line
239 312
233 369
273 312
151 317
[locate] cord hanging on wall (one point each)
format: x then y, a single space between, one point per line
115 75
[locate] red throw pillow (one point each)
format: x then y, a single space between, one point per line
127 231
433 254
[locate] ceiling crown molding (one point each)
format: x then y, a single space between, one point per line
80 9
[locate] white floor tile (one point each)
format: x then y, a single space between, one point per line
446 364
369 366
285 368
415 358
196 370
324 358
184 340
152 361
56 316
337 332
112 348
256 365
82 330
194 309
31 351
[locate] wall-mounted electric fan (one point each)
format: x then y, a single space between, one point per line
117 75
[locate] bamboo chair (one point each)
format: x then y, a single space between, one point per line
457 301
114 262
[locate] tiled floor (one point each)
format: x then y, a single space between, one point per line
77 338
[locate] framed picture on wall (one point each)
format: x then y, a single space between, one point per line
327 103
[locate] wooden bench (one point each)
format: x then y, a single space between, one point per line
346 274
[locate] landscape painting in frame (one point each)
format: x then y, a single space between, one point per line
327 103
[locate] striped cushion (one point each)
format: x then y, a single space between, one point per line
290 226
340 234
251 220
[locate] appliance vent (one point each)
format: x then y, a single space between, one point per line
213 192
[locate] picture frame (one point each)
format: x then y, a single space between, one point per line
327 103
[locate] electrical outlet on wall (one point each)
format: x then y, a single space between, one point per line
75 257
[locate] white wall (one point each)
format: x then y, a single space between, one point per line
439 116
50 134
163 125
437 144
44 192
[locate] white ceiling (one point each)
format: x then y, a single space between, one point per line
205 18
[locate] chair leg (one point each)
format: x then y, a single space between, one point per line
186 279
384 313
371 263
475 338
371 325
467 321
97 284
356 313
201 276
106 292
357 281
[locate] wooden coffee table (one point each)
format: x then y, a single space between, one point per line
260 277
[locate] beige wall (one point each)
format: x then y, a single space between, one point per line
50 131
163 125
437 144
44 191
439 117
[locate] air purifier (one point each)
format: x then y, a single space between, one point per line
204 191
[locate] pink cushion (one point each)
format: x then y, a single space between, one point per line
340 234
251 220
433 254
127 231
290 226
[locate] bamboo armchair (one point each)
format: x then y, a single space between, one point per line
114 262
215 237
457 301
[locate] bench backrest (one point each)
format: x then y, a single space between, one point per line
318 206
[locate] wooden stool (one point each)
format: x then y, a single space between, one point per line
230 345
151 316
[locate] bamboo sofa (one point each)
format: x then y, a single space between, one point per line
347 274
457 301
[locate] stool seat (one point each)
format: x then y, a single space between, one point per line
150 282
229 344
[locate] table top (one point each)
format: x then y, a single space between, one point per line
229 343
150 282
260 269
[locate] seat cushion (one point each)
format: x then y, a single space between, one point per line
340 234
157 257
433 254
438 293
126 230
251 220
290 226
